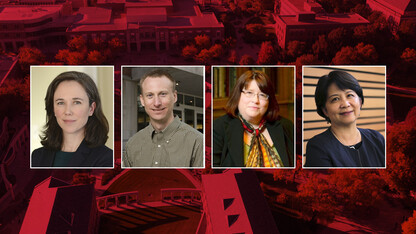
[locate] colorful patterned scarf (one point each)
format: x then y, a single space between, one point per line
260 153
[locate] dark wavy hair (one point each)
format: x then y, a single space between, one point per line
343 80
265 85
96 129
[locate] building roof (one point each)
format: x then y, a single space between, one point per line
58 207
236 204
94 15
401 6
322 19
19 13
148 3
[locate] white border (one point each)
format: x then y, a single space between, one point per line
294 116
385 114
203 112
78 66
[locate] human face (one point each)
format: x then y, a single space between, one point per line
158 99
252 109
71 108
342 106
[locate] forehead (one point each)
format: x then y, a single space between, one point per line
252 85
151 84
70 89
333 89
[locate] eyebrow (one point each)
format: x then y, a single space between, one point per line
75 98
348 91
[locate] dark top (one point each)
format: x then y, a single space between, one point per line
62 158
324 150
228 141
84 156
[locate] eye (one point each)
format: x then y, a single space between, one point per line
263 95
249 93
149 96
350 95
163 94
59 103
77 102
334 99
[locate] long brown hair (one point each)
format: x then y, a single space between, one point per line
96 129
265 85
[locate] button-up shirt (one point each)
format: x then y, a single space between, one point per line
178 145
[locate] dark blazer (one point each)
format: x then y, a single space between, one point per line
324 150
228 141
100 156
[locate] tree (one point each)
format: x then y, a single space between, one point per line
95 57
409 55
189 52
360 54
62 55
321 48
267 54
204 56
116 45
362 9
409 226
247 60
77 43
97 44
29 56
295 48
233 57
75 58
216 51
254 33
83 178
317 200
203 41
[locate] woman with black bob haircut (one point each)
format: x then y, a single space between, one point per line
252 133
76 128
339 98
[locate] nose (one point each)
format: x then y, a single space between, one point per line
68 109
255 98
345 103
157 101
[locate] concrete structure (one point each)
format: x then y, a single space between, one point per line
58 207
304 21
152 25
32 25
396 11
234 203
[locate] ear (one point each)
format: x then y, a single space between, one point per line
92 109
141 99
175 96
325 111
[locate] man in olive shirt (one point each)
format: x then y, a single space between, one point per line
166 141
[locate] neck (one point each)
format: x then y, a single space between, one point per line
71 142
160 125
347 135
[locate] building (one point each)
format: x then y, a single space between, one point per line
234 203
32 25
396 11
58 207
305 21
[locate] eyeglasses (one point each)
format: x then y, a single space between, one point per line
250 94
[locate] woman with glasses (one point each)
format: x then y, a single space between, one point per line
252 133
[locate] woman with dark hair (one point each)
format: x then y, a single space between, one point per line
252 134
339 98
76 128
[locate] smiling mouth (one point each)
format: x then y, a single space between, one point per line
69 121
158 110
346 113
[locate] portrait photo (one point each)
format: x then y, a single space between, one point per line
253 116
344 116
71 116
163 116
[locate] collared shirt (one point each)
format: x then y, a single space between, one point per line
178 145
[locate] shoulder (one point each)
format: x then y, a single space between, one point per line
223 121
190 131
285 123
104 156
42 155
319 138
138 136
372 134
